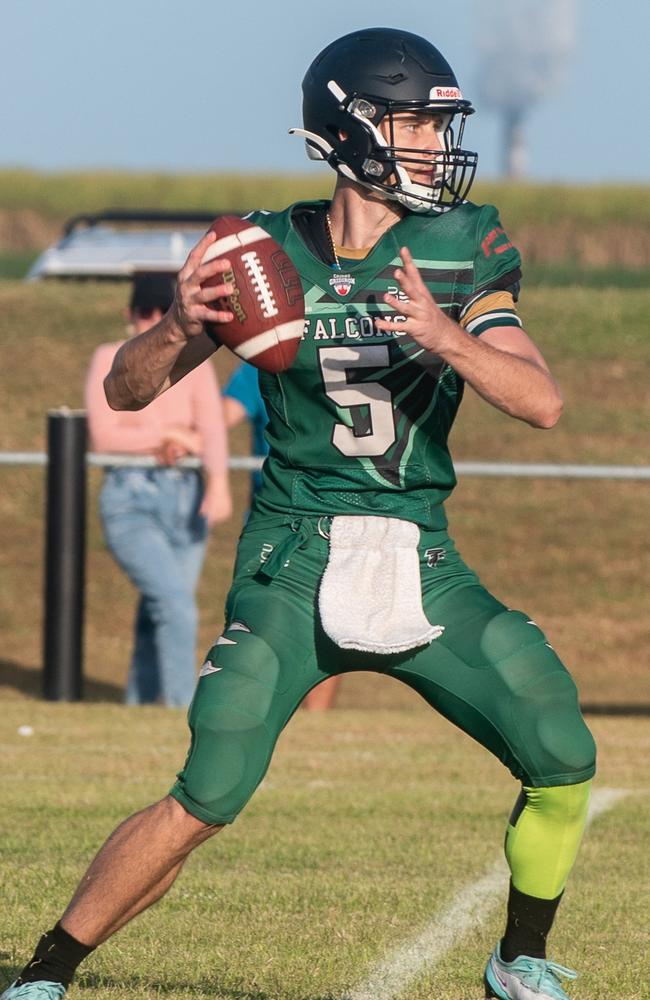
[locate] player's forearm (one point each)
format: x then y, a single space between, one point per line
142 366
513 384
149 364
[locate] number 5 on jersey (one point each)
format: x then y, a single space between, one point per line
369 432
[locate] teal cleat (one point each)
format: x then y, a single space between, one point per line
40 990
524 979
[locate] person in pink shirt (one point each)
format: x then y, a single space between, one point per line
156 518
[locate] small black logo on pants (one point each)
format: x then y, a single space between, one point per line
434 556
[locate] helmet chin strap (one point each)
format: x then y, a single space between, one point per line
417 197
413 197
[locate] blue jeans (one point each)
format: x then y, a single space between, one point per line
154 531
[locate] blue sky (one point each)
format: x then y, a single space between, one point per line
207 85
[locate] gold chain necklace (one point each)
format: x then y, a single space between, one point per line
337 262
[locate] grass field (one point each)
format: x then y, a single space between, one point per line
366 828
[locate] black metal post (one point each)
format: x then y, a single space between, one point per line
65 547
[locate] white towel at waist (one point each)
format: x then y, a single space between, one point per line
371 595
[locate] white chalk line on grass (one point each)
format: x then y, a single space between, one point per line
469 908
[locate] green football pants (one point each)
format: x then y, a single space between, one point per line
492 672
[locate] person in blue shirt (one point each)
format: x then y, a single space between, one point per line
242 400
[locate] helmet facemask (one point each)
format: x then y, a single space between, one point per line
451 168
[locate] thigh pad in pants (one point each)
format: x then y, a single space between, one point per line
494 675
235 718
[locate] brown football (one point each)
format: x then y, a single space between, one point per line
267 304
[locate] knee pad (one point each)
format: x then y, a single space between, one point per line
552 703
555 744
235 719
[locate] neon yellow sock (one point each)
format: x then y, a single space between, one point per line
543 838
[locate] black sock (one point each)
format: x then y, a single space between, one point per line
529 921
56 958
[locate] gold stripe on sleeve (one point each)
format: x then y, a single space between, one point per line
488 303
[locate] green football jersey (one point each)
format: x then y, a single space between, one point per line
359 423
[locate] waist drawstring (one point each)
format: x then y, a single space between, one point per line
302 531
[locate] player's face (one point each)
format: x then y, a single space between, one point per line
423 135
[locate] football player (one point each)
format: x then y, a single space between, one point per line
346 563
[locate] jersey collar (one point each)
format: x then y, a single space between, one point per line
384 252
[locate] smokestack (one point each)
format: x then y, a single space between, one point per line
524 47
514 160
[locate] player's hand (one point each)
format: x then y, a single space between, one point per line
425 320
194 304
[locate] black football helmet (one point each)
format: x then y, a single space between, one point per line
366 78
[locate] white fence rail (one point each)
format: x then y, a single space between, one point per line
250 463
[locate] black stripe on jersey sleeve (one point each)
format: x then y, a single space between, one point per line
509 282
456 277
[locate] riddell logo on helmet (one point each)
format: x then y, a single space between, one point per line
442 93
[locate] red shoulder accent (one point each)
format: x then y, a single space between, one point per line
488 241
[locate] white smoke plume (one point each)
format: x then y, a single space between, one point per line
524 47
